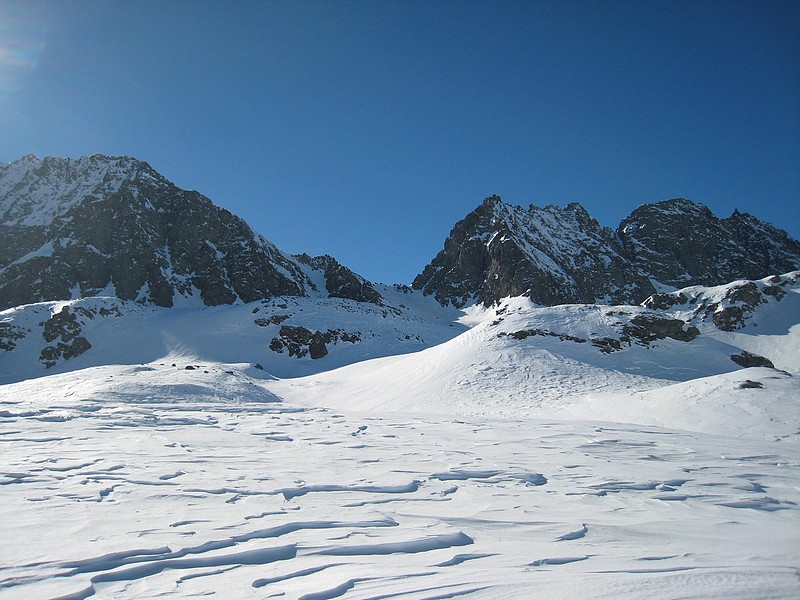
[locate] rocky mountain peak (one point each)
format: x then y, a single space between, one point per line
553 255
109 225
35 191
340 282
560 255
112 225
582 214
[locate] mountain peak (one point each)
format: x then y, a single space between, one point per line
112 225
560 255
34 192
553 255
679 242
678 207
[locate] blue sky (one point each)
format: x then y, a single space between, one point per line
365 130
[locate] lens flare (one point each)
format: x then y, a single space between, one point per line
22 40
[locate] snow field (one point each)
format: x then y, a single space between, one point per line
154 480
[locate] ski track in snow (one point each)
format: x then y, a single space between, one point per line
113 484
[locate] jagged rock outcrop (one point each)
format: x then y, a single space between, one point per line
746 359
10 334
562 255
299 341
649 328
642 329
113 225
63 332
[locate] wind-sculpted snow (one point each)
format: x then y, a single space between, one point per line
154 480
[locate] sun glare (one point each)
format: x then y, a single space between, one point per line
22 40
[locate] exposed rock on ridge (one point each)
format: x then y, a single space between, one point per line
728 307
64 329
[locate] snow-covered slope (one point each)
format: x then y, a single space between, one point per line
753 403
522 360
411 354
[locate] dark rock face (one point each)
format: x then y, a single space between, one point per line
747 384
64 329
63 324
50 355
113 225
743 301
10 334
299 341
649 328
526 333
681 243
272 320
341 282
553 255
74 228
562 255
746 359
664 301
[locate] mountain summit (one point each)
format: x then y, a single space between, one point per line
562 255
102 225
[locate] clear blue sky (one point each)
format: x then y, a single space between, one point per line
365 130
